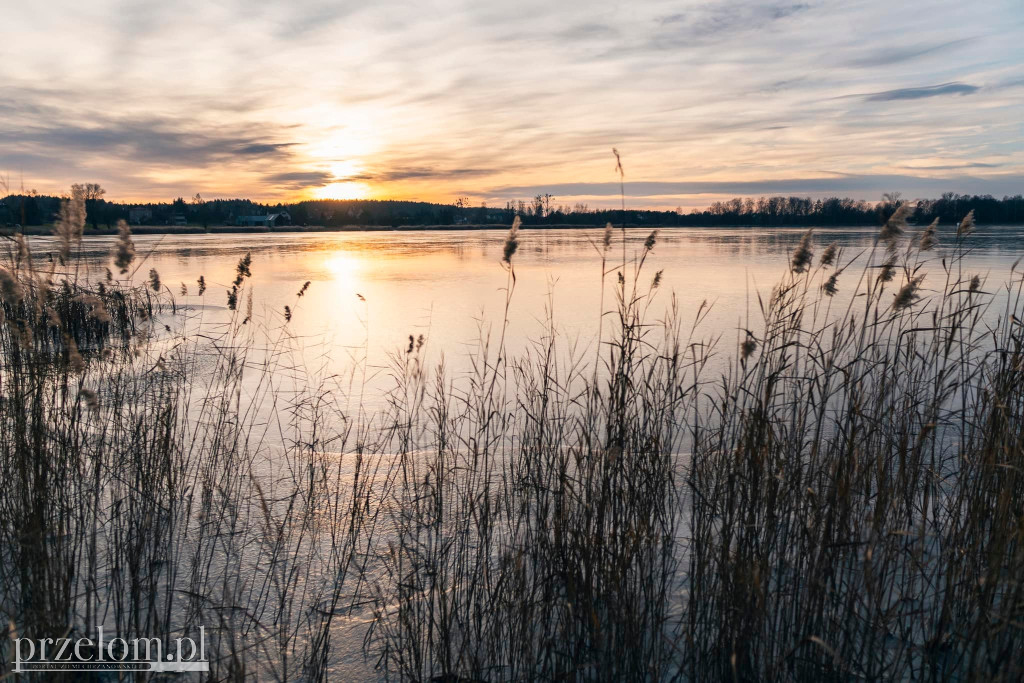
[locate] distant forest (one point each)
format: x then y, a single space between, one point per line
36 209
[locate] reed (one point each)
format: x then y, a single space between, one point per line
842 500
137 492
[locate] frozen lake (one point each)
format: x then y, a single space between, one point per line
370 291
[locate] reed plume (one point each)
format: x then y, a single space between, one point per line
10 289
967 225
929 239
124 248
828 257
70 222
803 255
511 241
650 241
830 286
896 224
907 294
748 347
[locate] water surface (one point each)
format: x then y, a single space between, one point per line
369 291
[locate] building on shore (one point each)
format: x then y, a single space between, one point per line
138 215
269 221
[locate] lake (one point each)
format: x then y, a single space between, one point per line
369 291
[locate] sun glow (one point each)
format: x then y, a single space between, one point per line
344 271
341 151
341 265
343 190
345 169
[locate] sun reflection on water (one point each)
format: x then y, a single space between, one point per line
344 269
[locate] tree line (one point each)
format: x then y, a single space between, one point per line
31 208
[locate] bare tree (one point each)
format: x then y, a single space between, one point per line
91 193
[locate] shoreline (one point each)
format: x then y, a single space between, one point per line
43 230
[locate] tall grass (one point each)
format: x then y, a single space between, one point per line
839 497
136 490
857 486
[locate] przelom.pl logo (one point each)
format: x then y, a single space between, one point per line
111 654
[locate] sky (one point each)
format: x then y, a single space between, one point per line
498 100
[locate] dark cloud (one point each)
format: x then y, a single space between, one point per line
28 162
151 141
296 179
264 148
955 88
423 172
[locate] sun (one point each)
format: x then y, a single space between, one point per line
347 189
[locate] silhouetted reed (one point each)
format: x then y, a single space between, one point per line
852 488
135 492
839 499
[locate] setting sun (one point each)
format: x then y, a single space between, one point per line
343 190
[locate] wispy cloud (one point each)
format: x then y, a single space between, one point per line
717 21
846 185
889 55
952 167
922 92
299 179
588 31
276 100
425 172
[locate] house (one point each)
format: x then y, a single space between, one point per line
179 219
139 215
269 221
283 218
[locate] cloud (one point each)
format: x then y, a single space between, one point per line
953 167
860 186
300 179
264 148
302 19
422 173
588 31
888 55
922 92
151 140
710 23
455 97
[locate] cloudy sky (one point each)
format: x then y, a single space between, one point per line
502 100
